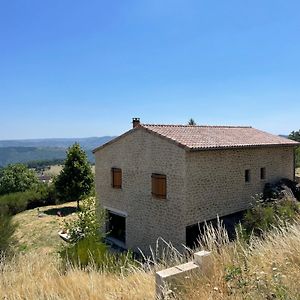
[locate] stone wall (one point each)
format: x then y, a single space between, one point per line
216 179
139 154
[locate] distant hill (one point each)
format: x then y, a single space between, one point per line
14 151
86 143
284 135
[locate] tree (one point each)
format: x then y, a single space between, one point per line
17 178
76 179
191 122
295 135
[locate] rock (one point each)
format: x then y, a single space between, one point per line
280 189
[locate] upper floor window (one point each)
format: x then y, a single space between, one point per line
116 178
247 175
159 186
262 173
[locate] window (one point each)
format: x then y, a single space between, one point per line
116 178
159 186
247 175
262 173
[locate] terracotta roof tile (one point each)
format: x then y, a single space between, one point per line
212 137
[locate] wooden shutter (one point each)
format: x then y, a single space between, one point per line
116 178
159 186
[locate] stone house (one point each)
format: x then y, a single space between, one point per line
160 180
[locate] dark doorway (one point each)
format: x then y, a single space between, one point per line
193 232
116 226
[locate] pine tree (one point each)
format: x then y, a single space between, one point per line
295 135
76 179
191 122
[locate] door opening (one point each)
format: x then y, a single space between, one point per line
116 226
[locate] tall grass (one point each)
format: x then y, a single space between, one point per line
7 229
32 277
265 268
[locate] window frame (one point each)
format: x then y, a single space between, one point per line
115 171
154 189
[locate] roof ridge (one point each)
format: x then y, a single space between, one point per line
205 139
202 126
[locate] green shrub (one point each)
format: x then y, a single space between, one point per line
88 221
265 214
297 157
92 252
87 247
14 203
43 195
7 229
17 178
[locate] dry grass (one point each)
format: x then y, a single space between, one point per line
266 269
40 234
34 277
56 169
36 272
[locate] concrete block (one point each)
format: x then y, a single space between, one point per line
203 260
166 278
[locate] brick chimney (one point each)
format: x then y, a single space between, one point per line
135 122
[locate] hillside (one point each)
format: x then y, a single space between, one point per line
86 143
10 155
39 234
268 269
15 151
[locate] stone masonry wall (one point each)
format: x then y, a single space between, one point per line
139 154
216 179
200 185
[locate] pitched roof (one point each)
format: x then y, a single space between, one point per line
214 137
194 137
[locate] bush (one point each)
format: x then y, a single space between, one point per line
297 157
17 178
7 229
266 214
87 247
44 195
14 203
92 252
88 221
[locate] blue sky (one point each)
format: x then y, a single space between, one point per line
85 68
